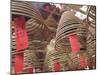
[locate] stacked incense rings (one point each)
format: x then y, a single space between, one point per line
35 28
70 24
24 8
91 36
91 16
52 55
33 25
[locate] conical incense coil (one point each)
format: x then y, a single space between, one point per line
68 24
91 36
25 8
91 16
34 25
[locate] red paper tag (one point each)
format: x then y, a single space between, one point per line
57 67
82 61
21 34
19 65
30 70
74 43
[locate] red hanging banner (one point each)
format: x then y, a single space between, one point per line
30 70
74 43
82 61
21 34
57 66
19 63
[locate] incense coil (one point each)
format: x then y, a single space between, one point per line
91 49
30 58
52 54
51 23
91 21
33 26
91 35
82 35
68 24
35 30
91 16
25 9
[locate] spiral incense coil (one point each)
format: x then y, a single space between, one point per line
25 8
82 35
91 34
91 20
33 26
91 16
51 23
91 48
30 58
68 24
91 38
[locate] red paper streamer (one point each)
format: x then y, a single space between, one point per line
57 67
30 70
82 61
74 43
21 34
19 63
